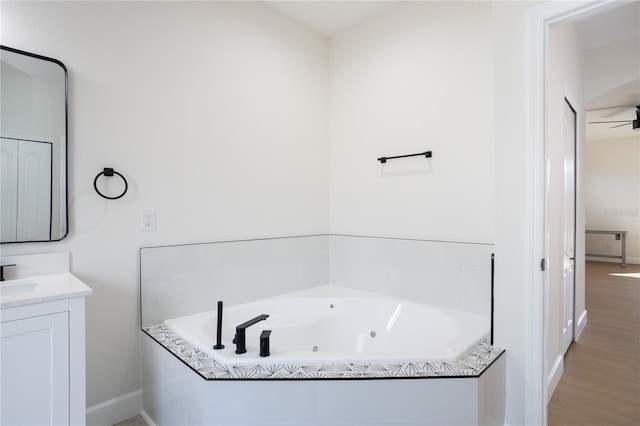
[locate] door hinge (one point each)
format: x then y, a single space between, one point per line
543 264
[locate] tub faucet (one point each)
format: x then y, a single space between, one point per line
240 340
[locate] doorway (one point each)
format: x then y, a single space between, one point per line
572 306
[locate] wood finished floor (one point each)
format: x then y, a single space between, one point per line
601 381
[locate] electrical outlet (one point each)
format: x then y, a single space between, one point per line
148 220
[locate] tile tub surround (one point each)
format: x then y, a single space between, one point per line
181 280
173 394
472 364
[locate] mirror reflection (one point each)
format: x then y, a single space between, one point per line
33 147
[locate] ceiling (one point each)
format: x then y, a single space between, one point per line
610 26
330 18
605 29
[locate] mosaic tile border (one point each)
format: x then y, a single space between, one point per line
471 365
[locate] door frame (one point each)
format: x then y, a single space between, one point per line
572 105
539 20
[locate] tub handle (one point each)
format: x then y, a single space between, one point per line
264 343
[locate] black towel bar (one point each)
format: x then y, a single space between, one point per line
427 154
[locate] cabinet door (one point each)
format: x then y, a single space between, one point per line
35 371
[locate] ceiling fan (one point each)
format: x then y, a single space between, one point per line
635 124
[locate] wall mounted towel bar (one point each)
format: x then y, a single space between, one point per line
427 154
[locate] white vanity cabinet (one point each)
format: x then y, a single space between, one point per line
43 354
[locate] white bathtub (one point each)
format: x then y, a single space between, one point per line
331 325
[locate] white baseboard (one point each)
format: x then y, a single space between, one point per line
115 410
147 418
580 325
632 260
553 378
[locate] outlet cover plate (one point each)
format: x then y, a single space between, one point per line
148 220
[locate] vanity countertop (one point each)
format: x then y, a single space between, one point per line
40 289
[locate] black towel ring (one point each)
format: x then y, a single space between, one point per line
109 172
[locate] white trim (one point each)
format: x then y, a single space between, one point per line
554 376
633 260
77 361
115 410
535 392
16 136
147 418
581 323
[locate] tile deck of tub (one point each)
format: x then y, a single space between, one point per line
473 364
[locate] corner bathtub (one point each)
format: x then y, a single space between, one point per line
333 332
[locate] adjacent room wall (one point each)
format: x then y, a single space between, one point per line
418 77
613 195
612 166
215 112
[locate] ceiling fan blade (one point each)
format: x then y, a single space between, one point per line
613 121
620 125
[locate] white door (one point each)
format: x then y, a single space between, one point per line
569 225
25 186
8 189
34 191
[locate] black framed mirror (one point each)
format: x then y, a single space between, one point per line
33 151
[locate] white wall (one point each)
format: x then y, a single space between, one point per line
214 112
565 80
417 78
612 184
513 209
122 72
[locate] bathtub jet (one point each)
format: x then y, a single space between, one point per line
240 339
